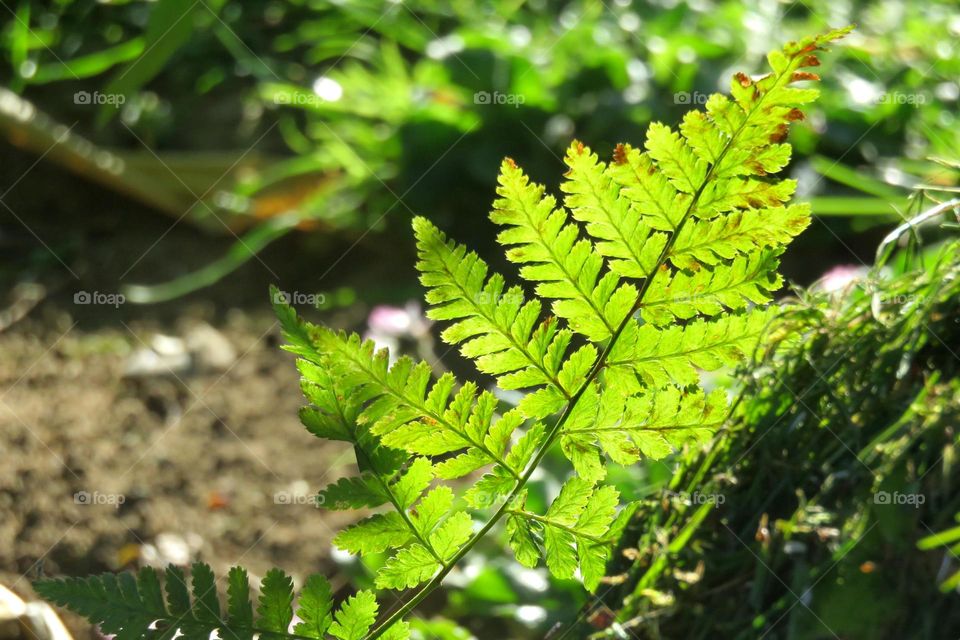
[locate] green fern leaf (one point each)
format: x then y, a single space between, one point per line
413 482
206 606
133 607
353 493
99 600
676 354
239 609
410 566
432 508
565 267
633 248
375 534
660 259
355 617
178 597
709 242
495 326
452 534
314 608
576 531
275 604
685 295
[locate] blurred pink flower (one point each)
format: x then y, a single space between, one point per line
840 277
398 321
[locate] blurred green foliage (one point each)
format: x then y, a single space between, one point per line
370 111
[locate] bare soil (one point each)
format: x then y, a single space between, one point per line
102 470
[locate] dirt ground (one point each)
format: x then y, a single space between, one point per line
103 470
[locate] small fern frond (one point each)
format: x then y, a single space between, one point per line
578 530
134 606
683 295
710 242
388 413
399 404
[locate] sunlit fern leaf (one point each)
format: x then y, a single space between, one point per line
593 197
403 408
133 607
565 266
710 242
683 295
495 326
574 533
676 354
315 608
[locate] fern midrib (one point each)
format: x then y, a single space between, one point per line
725 235
554 381
384 384
687 352
520 513
673 427
555 431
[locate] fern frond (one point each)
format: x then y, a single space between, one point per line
683 295
397 405
357 397
710 242
405 410
662 264
134 607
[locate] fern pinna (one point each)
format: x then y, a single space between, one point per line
656 266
